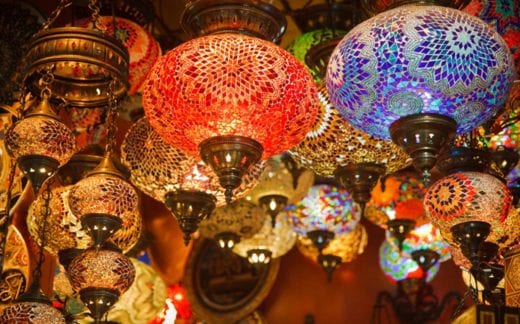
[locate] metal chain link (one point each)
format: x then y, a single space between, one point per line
111 118
47 196
93 5
55 14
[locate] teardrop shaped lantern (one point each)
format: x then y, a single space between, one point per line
418 74
188 187
210 96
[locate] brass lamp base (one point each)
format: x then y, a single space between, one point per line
359 179
470 236
37 168
98 301
230 157
423 136
329 263
227 240
101 226
400 228
462 159
190 208
320 238
249 17
426 259
273 205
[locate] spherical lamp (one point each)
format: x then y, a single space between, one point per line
185 184
324 212
143 49
40 143
334 147
100 277
32 312
417 74
104 201
230 223
273 241
209 94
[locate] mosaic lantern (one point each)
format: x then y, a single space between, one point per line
104 201
208 94
399 267
40 143
333 147
274 241
424 237
347 246
64 231
100 277
417 74
278 186
230 223
144 50
168 175
301 45
32 312
467 196
324 212
504 17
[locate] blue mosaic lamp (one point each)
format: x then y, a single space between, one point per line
324 212
419 74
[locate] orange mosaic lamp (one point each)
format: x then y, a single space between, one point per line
100 277
335 148
233 98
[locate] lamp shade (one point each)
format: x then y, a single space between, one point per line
230 85
301 45
418 59
333 142
399 267
143 49
240 218
325 207
504 17
64 229
346 246
157 168
467 196
278 240
401 199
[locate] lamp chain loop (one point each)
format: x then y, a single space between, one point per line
55 14
46 195
93 5
111 118
46 80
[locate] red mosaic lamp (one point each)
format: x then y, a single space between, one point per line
230 97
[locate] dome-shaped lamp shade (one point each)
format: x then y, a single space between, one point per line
100 277
31 312
419 59
230 84
157 168
333 143
143 49
398 267
278 240
325 207
504 17
301 45
229 223
103 202
64 230
467 196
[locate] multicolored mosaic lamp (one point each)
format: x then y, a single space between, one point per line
278 186
230 223
143 49
40 142
503 16
100 277
208 95
271 242
467 196
418 74
334 147
398 267
324 212
185 184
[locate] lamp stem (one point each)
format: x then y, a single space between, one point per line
46 195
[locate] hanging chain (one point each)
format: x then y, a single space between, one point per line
46 80
46 195
111 118
55 13
93 5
